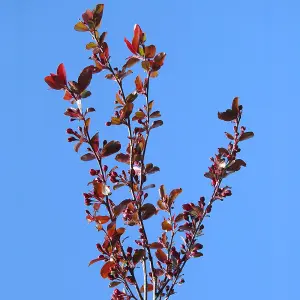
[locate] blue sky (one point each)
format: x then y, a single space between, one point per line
216 50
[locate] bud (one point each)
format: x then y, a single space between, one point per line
108 123
87 202
105 168
93 172
71 139
69 131
187 207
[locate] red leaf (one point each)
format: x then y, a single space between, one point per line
131 62
100 189
88 15
67 95
149 288
111 229
102 219
137 37
106 269
166 225
150 51
156 245
95 260
51 82
61 73
161 256
139 84
129 46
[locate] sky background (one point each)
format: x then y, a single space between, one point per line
216 50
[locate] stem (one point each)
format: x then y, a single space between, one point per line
212 199
145 280
194 237
142 168
141 187
107 204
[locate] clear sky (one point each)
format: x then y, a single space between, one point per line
216 50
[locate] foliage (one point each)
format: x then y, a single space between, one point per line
162 260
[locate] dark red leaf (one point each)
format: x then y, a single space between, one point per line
235 105
179 217
77 146
87 157
98 13
138 255
155 114
118 209
173 195
229 136
124 158
228 115
236 165
114 283
149 186
126 110
132 96
95 142
111 148
147 211
246 135
161 255
157 124
131 62
158 61
85 78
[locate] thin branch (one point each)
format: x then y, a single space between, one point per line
145 279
